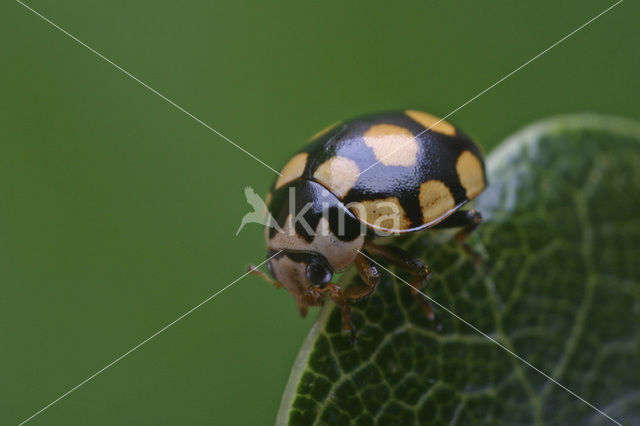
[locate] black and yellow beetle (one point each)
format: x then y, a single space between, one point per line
389 173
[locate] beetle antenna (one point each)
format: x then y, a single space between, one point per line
253 270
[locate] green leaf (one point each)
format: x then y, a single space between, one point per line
561 289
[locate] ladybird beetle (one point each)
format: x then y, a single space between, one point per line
381 174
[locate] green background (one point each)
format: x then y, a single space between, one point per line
118 212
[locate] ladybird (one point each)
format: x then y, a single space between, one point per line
377 175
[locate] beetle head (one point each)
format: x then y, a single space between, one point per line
303 274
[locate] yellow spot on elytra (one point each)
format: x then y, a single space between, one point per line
470 174
435 200
292 170
338 174
324 131
392 145
385 213
432 122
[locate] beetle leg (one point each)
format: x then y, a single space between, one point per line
341 301
419 269
468 220
370 276
253 270
311 298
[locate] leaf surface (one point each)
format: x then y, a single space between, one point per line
560 288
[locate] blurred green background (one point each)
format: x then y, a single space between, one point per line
118 212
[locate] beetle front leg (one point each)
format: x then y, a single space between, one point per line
341 301
370 276
415 266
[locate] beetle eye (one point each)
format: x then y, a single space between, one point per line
318 273
270 269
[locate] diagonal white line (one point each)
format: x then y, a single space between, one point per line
154 91
497 82
144 341
495 341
